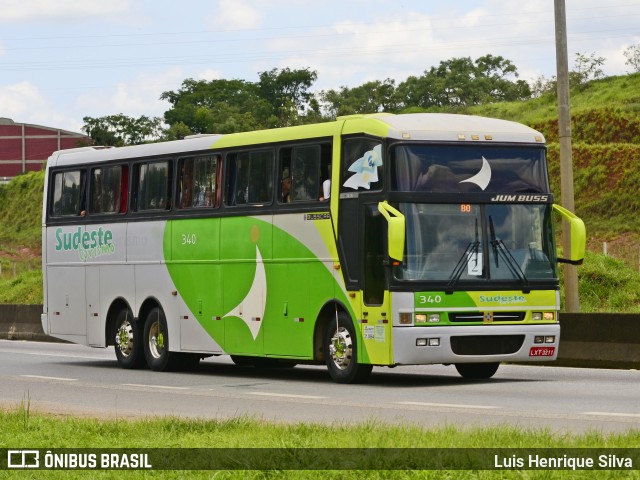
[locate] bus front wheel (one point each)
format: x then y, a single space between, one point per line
156 342
340 349
128 341
477 371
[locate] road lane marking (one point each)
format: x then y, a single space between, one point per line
613 414
286 395
38 354
164 387
42 377
446 405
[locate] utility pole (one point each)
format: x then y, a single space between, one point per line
572 301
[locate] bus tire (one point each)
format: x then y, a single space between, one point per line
477 371
156 342
341 352
128 341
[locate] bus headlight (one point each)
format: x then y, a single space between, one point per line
406 318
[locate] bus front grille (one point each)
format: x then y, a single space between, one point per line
486 344
471 317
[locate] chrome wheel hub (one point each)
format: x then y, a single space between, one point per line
156 340
124 338
341 348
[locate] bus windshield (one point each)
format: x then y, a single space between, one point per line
469 168
454 243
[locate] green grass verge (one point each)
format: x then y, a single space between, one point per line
24 429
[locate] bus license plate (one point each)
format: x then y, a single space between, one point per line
542 351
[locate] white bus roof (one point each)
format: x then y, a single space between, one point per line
101 154
454 127
412 126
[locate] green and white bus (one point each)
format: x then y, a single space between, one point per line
372 240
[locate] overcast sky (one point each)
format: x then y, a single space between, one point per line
62 60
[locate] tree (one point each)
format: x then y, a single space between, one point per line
120 130
632 54
217 106
279 99
463 81
586 69
370 97
287 91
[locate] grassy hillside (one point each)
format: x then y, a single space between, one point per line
20 251
605 131
606 158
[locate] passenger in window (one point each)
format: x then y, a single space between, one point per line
302 184
326 186
186 181
208 197
286 186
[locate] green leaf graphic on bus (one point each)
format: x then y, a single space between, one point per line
253 287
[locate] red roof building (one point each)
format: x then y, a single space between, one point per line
25 147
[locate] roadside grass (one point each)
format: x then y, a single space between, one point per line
24 288
22 428
607 285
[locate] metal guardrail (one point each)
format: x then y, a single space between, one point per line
588 340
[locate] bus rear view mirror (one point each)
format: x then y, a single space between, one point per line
578 236
395 230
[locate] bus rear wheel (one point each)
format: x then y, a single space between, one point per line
156 342
340 348
476 371
128 341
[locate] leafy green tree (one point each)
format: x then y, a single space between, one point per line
287 91
279 99
370 97
463 82
120 130
217 106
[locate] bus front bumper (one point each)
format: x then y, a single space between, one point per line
475 344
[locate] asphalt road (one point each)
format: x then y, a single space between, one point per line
77 380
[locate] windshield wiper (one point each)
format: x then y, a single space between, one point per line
494 242
499 248
471 249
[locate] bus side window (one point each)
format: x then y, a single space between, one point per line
108 190
305 173
68 194
197 182
249 177
261 176
153 186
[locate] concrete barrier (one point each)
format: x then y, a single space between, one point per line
599 340
22 322
591 340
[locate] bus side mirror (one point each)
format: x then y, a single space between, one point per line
395 230
578 236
